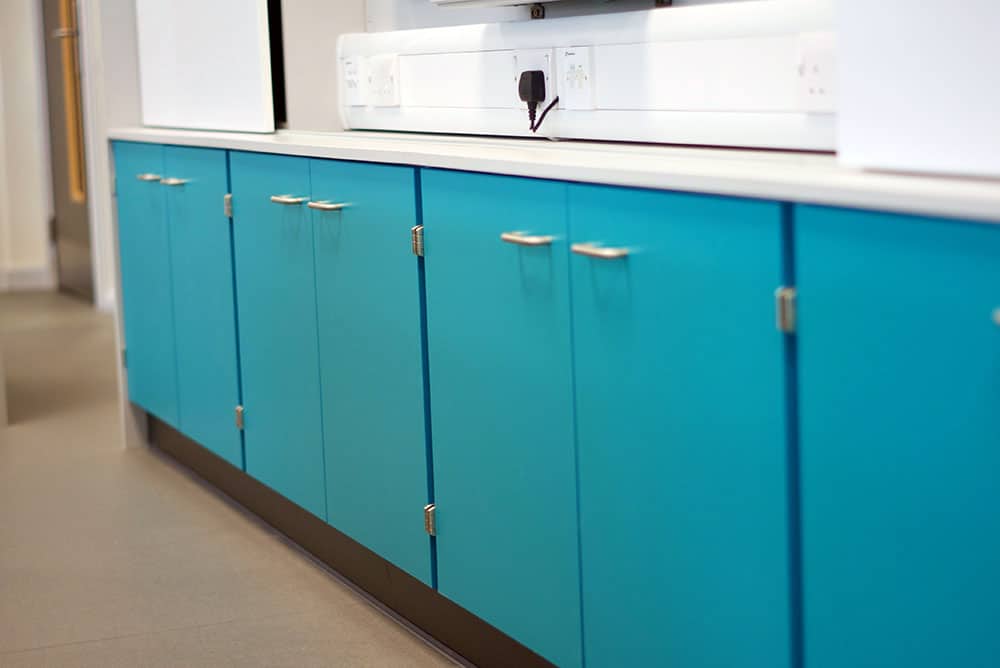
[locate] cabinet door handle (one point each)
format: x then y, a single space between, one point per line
323 205
590 249
524 239
148 177
170 181
287 199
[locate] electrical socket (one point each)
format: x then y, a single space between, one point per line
533 59
383 80
817 72
355 76
575 74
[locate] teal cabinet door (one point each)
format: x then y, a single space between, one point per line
501 405
681 424
276 295
147 301
204 308
371 358
899 351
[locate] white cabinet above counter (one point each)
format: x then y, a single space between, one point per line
205 64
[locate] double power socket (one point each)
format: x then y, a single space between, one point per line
573 80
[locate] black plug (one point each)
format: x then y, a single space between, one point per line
531 88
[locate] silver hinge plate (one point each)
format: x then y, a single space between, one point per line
227 205
786 309
239 417
430 524
417 239
124 358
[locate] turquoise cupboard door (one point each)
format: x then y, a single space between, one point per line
276 295
899 349
147 301
501 383
681 424
204 306
371 358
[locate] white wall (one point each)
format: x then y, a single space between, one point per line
110 82
309 31
407 14
25 178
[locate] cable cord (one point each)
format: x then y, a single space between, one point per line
535 126
532 111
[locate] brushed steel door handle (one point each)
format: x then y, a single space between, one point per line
148 177
324 205
288 199
591 249
525 239
171 181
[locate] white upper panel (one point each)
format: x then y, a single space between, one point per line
919 86
205 65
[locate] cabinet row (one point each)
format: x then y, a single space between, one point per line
628 461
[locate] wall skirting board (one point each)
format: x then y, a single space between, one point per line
27 278
454 627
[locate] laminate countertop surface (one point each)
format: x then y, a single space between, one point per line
811 178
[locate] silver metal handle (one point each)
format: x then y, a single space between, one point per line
171 181
600 252
323 205
148 177
525 239
287 199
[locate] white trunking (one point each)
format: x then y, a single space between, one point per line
741 74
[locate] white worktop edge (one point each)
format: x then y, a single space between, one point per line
774 175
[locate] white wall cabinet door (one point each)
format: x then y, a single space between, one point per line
205 65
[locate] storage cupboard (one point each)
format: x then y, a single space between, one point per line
276 293
682 429
899 354
147 292
500 371
330 335
177 290
631 463
368 297
201 270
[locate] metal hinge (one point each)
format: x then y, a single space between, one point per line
417 239
124 358
227 205
430 525
239 417
787 315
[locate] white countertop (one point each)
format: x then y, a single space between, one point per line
777 175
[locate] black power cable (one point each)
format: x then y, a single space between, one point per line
535 126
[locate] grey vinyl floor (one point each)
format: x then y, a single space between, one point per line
115 557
